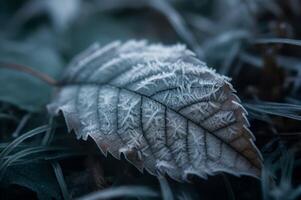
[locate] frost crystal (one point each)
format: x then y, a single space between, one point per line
161 107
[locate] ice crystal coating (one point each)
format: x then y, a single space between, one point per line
165 110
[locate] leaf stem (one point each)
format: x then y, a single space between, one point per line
22 68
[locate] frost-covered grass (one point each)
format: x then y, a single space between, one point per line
256 43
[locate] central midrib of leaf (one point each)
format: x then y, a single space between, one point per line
62 84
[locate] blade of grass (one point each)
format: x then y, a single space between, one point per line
289 63
265 182
21 125
294 101
177 22
9 148
232 54
287 110
122 191
232 36
43 157
8 117
277 175
278 41
50 132
185 195
202 24
60 179
165 189
21 154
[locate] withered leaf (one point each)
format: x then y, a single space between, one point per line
161 107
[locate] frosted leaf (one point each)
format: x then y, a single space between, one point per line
165 110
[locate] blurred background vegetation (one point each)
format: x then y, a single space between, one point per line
255 42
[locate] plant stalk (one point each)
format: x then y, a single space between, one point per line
27 70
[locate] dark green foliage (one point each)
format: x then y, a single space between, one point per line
38 177
19 88
255 42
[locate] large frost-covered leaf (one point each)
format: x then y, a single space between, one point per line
159 106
